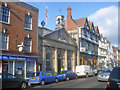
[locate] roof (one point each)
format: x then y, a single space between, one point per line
25 5
80 22
101 35
96 28
90 24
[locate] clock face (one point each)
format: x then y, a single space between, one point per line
20 49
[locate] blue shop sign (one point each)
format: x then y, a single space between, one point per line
5 57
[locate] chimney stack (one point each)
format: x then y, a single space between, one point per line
69 13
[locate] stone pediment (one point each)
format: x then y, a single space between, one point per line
60 35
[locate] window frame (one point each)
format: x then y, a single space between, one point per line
7 42
26 28
5 15
28 45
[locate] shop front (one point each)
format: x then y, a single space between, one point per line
21 66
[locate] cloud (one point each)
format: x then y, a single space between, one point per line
107 21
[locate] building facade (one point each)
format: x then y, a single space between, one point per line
104 52
86 36
57 47
18 38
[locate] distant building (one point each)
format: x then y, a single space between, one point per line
116 55
18 38
104 52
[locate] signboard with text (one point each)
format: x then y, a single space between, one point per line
5 57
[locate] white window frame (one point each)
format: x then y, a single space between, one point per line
7 41
8 15
30 25
30 45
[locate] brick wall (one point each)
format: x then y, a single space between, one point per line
16 30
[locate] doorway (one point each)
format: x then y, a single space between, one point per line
5 66
59 63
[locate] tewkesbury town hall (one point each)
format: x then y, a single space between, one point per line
26 48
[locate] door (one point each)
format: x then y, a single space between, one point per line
59 63
5 66
50 77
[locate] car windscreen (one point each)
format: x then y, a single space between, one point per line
115 74
108 71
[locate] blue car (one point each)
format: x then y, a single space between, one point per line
67 75
42 77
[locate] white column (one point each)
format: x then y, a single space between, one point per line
55 62
35 67
13 67
25 69
65 62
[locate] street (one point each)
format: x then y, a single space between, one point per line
90 82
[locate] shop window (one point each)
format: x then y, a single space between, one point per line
19 69
3 41
28 22
29 68
10 67
27 44
4 14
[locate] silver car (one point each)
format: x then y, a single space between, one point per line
104 76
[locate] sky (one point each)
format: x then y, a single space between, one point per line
102 14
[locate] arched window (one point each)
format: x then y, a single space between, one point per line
58 20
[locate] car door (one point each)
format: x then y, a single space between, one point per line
114 78
91 71
45 76
12 81
5 82
50 77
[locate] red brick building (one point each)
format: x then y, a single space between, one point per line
18 38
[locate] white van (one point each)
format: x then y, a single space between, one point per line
84 70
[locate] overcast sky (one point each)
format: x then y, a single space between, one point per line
102 14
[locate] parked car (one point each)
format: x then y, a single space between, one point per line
11 81
84 70
95 70
42 77
67 75
104 75
114 79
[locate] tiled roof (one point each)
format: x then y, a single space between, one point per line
80 22
96 28
90 24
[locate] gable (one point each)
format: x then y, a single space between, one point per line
60 35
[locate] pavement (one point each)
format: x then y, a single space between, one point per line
90 82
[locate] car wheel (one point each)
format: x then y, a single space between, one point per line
67 78
24 85
86 75
56 80
42 82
